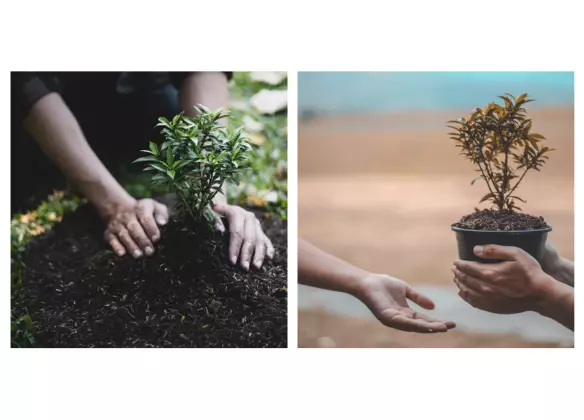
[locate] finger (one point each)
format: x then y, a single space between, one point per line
497 252
249 240
236 235
471 282
270 252
413 323
469 295
126 240
449 324
222 208
218 225
419 298
146 218
473 268
160 213
115 244
260 248
139 236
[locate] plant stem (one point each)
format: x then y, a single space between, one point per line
505 167
518 182
180 194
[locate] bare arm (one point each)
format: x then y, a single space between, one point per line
385 296
131 224
205 88
558 303
317 268
58 134
561 269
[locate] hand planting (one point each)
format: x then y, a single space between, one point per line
197 156
499 141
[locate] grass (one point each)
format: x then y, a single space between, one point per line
264 185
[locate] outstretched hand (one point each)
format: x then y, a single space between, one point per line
387 298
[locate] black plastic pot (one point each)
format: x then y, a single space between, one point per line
531 241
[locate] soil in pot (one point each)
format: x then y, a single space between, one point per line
80 294
502 228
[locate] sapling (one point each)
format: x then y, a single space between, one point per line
197 156
499 141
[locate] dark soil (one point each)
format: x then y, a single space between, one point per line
80 294
500 220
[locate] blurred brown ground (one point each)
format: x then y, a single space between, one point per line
381 191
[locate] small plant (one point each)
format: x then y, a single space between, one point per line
499 141
197 156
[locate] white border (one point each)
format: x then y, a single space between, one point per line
292 36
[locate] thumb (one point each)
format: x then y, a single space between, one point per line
419 298
498 252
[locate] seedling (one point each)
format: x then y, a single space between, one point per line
195 159
499 141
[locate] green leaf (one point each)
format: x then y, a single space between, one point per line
154 148
146 159
169 157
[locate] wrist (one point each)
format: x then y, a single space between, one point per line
361 283
550 293
110 204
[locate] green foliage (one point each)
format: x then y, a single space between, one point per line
266 183
196 157
499 141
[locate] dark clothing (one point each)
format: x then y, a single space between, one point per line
117 112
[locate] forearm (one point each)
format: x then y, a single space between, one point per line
209 89
558 303
58 134
317 268
204 88
565 272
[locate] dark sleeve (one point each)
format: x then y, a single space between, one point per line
178 77
27 88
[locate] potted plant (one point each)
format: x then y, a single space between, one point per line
498 140
195 159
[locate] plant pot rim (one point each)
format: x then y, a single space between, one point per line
526 231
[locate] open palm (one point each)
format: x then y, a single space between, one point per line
386 297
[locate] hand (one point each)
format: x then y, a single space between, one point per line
133 226
246 239
386 297
517 284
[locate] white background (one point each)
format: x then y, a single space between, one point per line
288 383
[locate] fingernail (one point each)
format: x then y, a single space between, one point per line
154 238
246 265
161 221
233 259
121 253
257 264
219 228
137 253
148 250
478 249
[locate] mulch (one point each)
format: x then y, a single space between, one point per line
500 220
80 294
